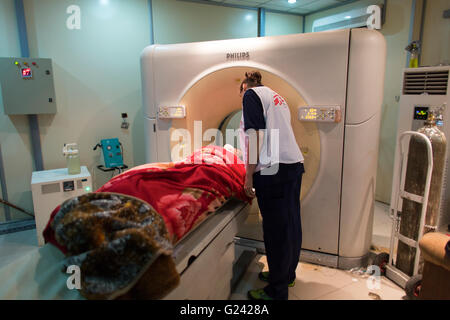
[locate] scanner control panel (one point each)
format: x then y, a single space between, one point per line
172 112
319 113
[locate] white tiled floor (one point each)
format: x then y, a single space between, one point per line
15 245
313 282
321 283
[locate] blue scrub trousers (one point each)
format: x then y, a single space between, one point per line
278 198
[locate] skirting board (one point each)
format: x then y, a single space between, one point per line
17 226
313 257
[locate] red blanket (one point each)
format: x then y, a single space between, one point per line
184 192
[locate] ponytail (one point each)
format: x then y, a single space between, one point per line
252 79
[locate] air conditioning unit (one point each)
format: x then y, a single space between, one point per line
355 18
423 89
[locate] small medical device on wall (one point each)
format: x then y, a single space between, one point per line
50 188
125 124
112 155
26 86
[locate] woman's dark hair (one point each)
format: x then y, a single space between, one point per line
252 79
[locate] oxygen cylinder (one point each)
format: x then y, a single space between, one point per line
415 180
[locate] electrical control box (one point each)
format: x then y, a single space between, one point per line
112 153
26 86
50 188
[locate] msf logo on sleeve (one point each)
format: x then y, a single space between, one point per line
278 100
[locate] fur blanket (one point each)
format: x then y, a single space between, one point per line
115 240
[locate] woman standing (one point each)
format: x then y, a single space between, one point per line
274 166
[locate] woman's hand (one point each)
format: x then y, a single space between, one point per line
248 186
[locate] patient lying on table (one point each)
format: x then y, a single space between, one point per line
122 236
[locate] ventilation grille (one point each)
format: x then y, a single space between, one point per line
431 82
50 188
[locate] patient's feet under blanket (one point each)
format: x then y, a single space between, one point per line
121 245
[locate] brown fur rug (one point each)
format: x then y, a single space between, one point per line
121 245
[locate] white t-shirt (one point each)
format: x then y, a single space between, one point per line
279 145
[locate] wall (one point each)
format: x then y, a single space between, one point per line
396 32
97 77
14 137
9 36
280 24
436 34
178 22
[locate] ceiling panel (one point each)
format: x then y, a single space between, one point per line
281 3
251 3
299 10
320 5
247 3
300 7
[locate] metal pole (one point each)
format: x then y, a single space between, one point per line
303 23
422 22
261 22
411 30
3 186
152 32
32 118
22 28
36 142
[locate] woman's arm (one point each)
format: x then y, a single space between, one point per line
251 164
254 125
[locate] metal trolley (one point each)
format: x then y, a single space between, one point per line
411 284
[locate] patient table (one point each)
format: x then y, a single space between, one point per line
204 258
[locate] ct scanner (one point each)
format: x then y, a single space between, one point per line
321 75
